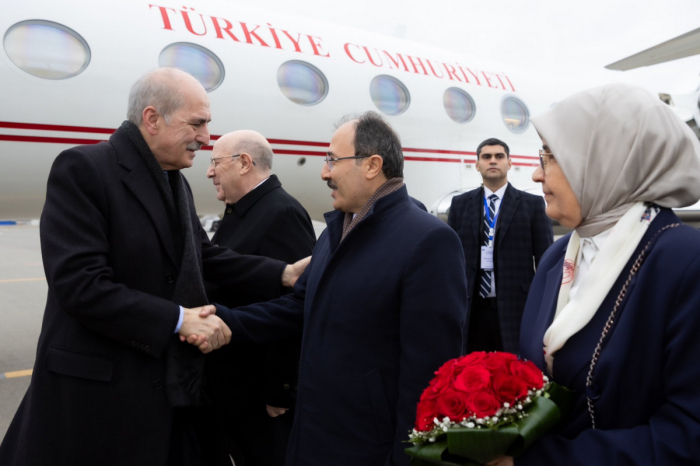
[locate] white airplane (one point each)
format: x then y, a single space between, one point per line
66 69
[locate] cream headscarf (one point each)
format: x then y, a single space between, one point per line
618 147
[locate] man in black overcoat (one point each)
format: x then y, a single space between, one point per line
382 306
504 232
254 384
125 255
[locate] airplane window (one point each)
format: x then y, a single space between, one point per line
47 50
197 61
459 105
515 114
302 83
389 95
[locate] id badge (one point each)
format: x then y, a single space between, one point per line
487 257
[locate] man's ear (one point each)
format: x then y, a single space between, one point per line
373 166
150 119
246 163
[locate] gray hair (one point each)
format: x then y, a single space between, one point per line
152 90
260 153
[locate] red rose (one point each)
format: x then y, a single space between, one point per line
425 413
443 378
451 404
499 360
482 404
528 372
473 378
509 388
471 359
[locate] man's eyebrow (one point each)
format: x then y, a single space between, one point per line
199 121
546 147
329 154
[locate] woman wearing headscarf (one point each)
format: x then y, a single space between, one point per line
614 309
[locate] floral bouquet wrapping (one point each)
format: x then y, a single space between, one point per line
482 406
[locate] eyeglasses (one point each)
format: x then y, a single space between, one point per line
214 160
543 161
331 160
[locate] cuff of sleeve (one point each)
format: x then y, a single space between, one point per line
179 320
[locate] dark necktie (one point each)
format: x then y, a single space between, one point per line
487 275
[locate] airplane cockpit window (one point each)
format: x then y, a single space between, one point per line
389 95
302 83
459 105
197 61
46 49
515 114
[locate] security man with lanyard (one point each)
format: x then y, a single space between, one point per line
504 232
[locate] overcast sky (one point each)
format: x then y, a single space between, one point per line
567 41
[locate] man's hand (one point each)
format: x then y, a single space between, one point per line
293 271
207 333
274 412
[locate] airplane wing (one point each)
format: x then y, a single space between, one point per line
682 46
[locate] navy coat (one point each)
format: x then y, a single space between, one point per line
647 400
523 234
380 312
97 392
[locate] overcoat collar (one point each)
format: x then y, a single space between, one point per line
249 200
140 182
335 219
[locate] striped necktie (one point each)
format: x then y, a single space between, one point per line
487 275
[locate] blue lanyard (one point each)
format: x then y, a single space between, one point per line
492 223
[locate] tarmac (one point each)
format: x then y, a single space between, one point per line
23 292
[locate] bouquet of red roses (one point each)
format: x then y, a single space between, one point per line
482 406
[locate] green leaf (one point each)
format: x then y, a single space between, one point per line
481 445
432 453
543 414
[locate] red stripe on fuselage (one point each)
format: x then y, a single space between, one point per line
87 129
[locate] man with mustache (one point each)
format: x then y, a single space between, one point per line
381 306
125 255
504 233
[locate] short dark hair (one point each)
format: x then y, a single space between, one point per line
373 136
492 142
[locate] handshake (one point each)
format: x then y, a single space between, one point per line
203 329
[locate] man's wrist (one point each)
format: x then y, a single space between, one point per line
180 319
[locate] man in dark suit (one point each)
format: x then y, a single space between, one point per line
382 306
254 384
125 255
504 233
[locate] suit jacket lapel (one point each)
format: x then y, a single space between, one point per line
142 186
475 214
509 204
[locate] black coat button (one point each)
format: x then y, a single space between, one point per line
157 384
169 278
286 386
229 210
